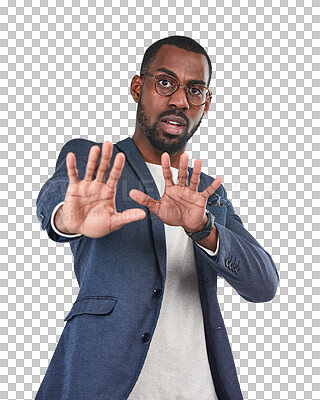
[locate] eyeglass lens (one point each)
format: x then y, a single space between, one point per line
166 85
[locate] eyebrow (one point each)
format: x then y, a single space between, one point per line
192 81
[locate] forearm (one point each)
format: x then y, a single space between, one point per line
54 190
210 242
50 198
246 266
57 222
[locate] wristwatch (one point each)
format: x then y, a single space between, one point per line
196 236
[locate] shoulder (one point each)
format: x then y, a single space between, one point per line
78 146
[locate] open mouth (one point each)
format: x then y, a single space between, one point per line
173 125
172 128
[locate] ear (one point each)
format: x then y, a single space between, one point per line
136 88
206 107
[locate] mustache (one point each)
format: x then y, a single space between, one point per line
177 114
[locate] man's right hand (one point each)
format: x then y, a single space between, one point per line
89 205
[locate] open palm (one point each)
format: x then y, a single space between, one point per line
89 205
180 205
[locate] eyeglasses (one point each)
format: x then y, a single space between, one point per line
166 85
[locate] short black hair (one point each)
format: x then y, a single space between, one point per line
183 42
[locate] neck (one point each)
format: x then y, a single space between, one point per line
151 154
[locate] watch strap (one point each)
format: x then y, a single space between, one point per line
205 232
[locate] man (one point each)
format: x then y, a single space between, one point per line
149 237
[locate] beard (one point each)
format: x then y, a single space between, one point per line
159 139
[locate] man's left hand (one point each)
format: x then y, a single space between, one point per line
180 205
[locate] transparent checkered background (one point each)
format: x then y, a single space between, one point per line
65 71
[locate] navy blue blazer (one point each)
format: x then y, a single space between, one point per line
108 331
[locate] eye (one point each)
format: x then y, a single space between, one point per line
196 91
165 83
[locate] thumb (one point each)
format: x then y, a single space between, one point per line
143 199
127 216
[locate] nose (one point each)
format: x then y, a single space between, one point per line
179 99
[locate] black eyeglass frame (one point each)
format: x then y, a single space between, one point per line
209 93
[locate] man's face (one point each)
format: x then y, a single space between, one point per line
168 122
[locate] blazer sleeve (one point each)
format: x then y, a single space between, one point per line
54 190
242 261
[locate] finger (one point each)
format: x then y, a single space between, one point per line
212 188
115 173
72 168
144 200
104 161
195 177
91 163
165 162
183 170
128 216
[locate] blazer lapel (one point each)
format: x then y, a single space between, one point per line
138 165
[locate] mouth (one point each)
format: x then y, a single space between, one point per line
173 125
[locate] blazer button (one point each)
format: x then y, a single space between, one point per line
41 217
157 293
145 337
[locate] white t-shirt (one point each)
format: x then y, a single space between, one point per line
176 366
